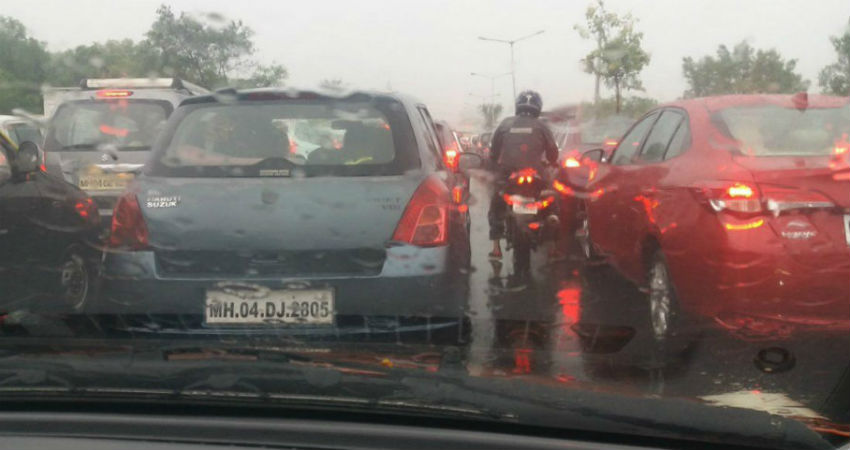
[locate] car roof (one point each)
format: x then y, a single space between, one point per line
716 103
261 94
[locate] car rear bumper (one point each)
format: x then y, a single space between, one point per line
413 282
754 283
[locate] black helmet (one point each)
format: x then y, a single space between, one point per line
529 102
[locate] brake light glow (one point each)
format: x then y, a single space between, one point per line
571 163
611 143
87 210
425 220
128 226
562 188
738 197
842 146
114 131
451 158
293 147
744 226
457 194
740 190
534 226
113 93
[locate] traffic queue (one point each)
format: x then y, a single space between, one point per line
169 201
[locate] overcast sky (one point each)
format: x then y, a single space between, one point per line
429 48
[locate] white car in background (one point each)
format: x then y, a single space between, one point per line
19 129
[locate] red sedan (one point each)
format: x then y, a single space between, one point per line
733 208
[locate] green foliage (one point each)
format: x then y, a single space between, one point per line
23 67
633 107
618 57
214 52
111 59
744 70
835 78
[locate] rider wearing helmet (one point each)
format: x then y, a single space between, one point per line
519 142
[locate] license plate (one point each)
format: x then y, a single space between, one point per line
847 228
235 306
522 205
109 182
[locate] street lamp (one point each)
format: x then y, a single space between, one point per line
492 79
511 44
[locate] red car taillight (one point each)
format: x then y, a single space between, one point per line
425 220
749 198
451 159
778 199
571 163
128 226
735 197
87 210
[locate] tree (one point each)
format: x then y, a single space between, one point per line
207 53
835 78
23 67
491 113
744 70
599 25
618 57
112 59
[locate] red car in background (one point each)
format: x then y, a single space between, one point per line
452 150
734 209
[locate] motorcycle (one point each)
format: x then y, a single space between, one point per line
531 217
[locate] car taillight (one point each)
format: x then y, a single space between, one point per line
128 226
562 188
114 93
735 197
457 194
571 163
778 199
87 210
293 147
451 159
425 220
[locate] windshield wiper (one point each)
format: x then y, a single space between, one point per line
269 377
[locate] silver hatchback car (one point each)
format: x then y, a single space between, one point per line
101 134
231 229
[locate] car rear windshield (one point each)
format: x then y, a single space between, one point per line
288 138
90 124
778 131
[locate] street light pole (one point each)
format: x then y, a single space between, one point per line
511 44
492 79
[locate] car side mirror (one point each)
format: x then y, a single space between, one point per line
596 154
469 161
28 159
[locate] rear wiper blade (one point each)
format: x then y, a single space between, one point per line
90 145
